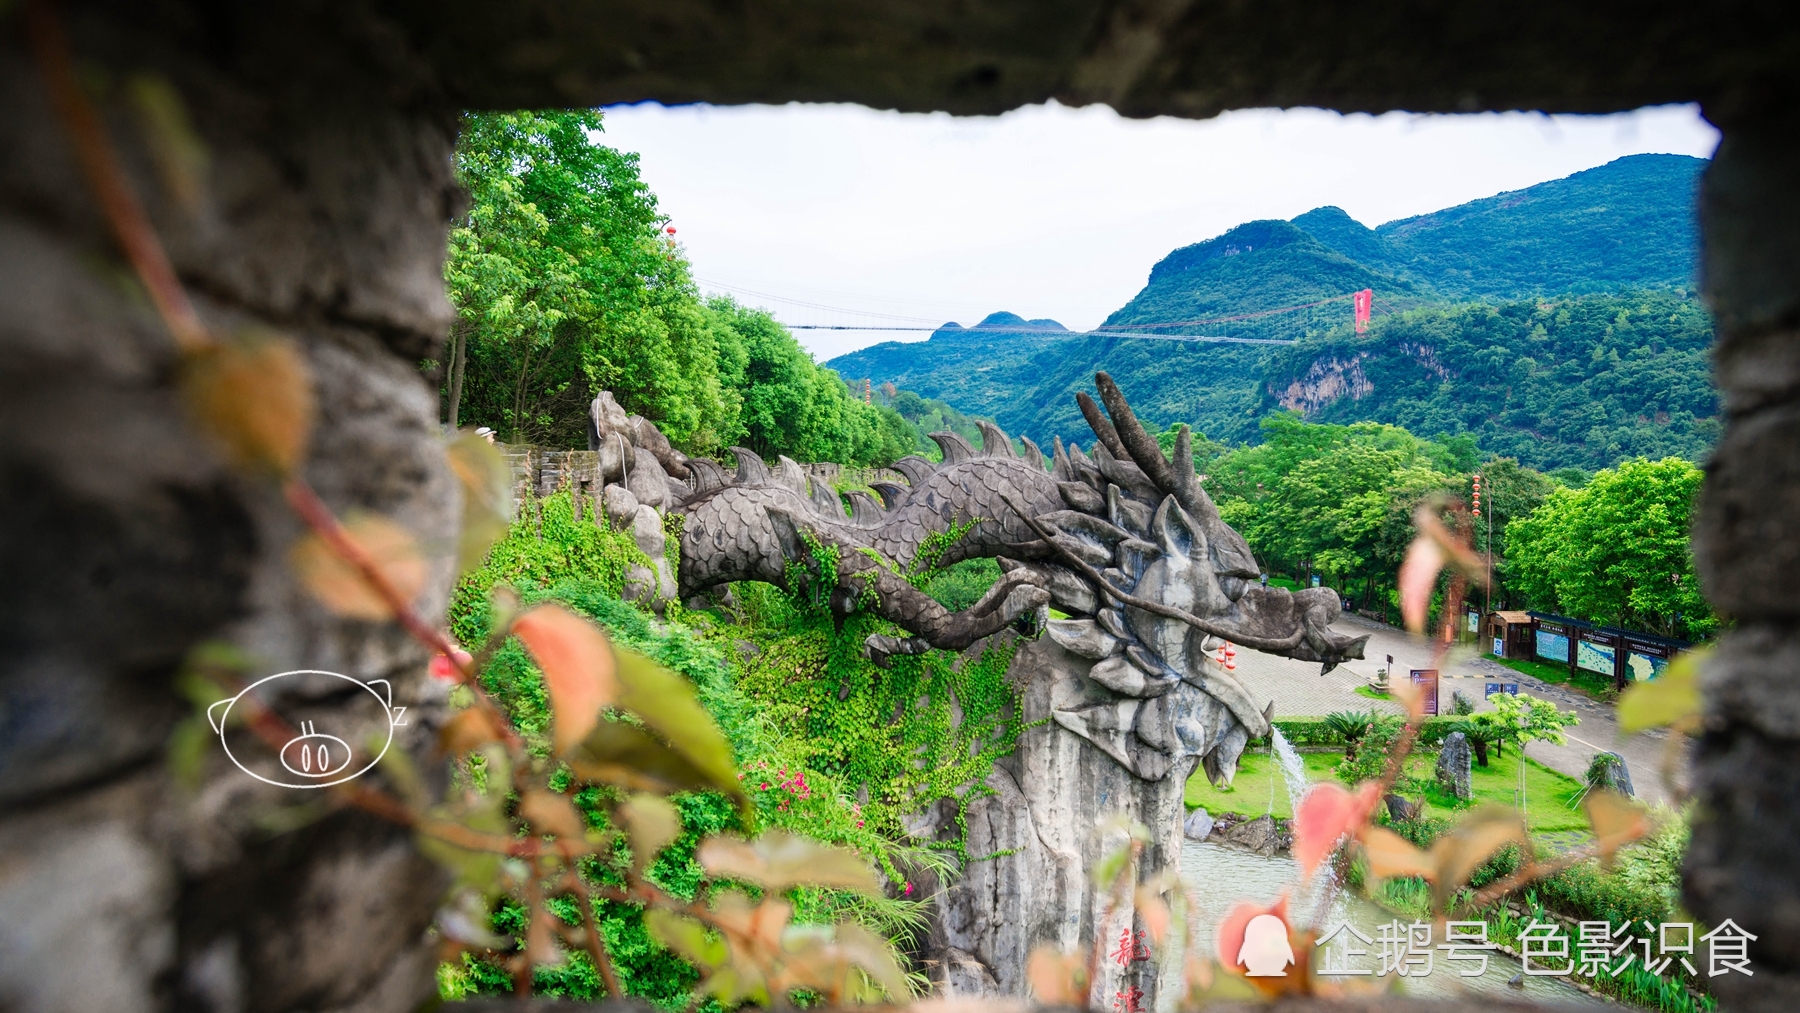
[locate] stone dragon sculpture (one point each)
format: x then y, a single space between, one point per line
1123 539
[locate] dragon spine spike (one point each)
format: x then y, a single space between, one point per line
994 441
916 469
824 499
891 493
1107 436
1059 461
1186 478
864 511
956 449
1032 455
1140 447
708 476
789 473
751 470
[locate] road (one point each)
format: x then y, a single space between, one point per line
1298 690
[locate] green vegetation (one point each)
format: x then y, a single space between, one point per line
1589 345
564 285
1644 886
1333 499
1548 793
1585 381
1249 791
1616 551
926 416
829 746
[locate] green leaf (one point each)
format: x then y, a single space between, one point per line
654 825
668 704
487 497
778 861
619 753
687 937
1674 698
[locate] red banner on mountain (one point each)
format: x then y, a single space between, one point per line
1363 302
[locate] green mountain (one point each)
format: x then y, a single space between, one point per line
1556 324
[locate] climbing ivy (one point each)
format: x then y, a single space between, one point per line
927 728
545 544
932 549
829 745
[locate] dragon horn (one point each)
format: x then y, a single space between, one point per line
1109 437
1137 443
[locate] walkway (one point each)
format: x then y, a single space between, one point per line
1300 691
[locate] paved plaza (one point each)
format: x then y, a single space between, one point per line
1298 690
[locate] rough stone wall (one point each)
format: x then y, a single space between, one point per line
1741 864
128 539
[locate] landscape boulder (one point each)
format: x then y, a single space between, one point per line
1453 765
620 507
1608 771
1257 835
1399 809
1199 825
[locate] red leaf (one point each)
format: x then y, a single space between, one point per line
1418 575
1231 928
1327 814
578 669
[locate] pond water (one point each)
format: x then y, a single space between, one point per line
1220 876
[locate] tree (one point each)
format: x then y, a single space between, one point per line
1333 499
791 406
563 285
1615 551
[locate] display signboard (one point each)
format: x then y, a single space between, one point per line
1645 660
1499 647
1426 679
1474 621
1552 641
1501 687
1598 652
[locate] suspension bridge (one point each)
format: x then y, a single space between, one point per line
850 319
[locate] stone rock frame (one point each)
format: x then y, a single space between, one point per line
329 129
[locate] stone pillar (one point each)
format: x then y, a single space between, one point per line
1747 544
131 882
1036 839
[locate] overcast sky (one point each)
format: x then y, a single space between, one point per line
1051 211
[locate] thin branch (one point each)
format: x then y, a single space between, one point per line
311 509
100 164
595 945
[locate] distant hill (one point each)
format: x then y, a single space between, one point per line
1543 267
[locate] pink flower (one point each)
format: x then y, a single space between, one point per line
908 891
441 667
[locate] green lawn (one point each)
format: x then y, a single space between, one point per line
1547 792
1369 691
1248 792
1598 687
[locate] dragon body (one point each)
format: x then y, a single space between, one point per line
1122 539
